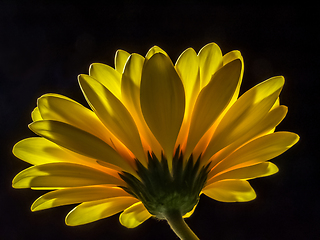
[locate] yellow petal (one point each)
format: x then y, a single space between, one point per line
38 150
257 151
107 76
255 171
79 141
212 100
76 195
155 49
113 114
263 127
92 211
62 175
210 58
35 115
130 82
229 57
134 215
189 214
120 60
187 66
162 101
130 87
230 191
247 111
62 109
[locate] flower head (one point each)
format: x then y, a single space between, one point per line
157 136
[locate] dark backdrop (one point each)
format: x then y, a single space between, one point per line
44 46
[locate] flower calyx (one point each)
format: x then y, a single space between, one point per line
163 191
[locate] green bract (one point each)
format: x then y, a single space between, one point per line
162 191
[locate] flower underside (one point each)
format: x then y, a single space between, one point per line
155 137
162 191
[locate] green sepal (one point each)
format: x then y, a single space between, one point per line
161 190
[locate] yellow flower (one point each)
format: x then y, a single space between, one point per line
158 135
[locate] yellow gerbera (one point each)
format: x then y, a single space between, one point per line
158 135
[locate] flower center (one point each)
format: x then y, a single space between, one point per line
162 191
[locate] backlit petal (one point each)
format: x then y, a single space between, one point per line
120 60
35 115
134 215
255 171
92 211
108 77
155 49
189 214
38 150
212 100
227 58
230 191
113 114
62 175
162 101
65 110
130 87
76 195
60 108
247 111
263 127
130 82
187 66
210 58
257 151
79 141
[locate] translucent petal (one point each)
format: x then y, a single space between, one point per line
258 150
230 191
231 56
120 60
134 215
227 58
255 171
113 114
130 87
107 76
130 83
65 110
92 211
162 101
79 141
76 195
212 100
189 214
187 66
155 49
210 58
62 175
60 108
35 115
202 144
247 111
39 150
263 127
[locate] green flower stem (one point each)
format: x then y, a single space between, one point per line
179 226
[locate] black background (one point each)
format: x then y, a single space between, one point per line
45 45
